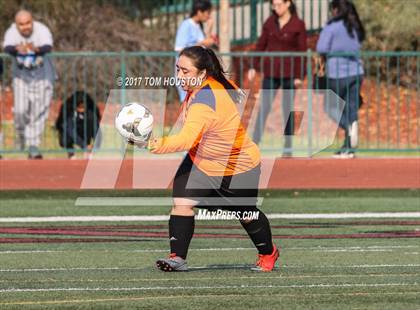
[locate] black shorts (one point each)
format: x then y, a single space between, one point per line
237 192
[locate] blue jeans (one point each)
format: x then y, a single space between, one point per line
348 89
273 84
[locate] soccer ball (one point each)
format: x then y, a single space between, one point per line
134 122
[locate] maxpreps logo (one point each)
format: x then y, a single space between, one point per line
204 214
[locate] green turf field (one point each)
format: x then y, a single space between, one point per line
352 263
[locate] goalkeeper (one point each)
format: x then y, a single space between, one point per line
222 167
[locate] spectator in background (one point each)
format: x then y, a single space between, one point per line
283 31
28 41
191 31
1 79
78 122
344 33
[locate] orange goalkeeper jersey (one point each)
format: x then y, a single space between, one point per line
212 133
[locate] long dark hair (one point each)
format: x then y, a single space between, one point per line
347 12
292 7
200 5
206 59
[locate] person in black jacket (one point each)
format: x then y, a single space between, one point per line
78 122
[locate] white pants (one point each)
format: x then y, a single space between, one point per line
32 102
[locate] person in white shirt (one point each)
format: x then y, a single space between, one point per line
191 31
28 41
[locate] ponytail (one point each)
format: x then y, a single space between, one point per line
216 70
353 19
206 59
347 12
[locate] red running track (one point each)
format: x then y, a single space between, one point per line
360 173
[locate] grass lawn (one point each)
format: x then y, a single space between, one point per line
324 263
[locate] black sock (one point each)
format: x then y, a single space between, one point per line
260 233
181 229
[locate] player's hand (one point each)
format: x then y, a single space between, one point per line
251 74
298 83
142 144
153 144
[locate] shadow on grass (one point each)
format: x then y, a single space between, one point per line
220 267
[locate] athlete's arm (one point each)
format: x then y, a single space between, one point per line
199 118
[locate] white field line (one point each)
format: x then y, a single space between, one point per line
167 201
206 267
233 278
346 251
375 248
154 218
33 252
352 248
151 288
358 266
156 201
202 297
125 251
47 219
345 215
355 247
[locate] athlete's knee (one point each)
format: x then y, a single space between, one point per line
182 210
249 215
245 221
182 206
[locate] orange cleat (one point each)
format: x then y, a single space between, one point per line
266 263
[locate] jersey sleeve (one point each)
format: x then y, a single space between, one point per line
199 119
